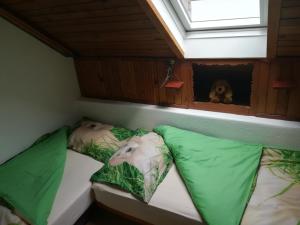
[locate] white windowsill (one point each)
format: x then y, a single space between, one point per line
226 33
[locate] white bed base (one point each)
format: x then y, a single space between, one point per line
74 195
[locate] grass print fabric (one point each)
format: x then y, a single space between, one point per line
139 166
100 141
276 198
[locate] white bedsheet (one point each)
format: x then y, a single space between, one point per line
74 194
170 204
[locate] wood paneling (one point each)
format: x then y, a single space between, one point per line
162 27
139 80
42 36
261 82
284 28
119 29
273 26
95 28
293 110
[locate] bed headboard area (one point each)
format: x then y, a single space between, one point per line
270 132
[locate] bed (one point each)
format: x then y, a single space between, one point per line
170 204
274 200
74 195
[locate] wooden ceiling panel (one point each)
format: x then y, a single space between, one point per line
118 12
104 27
130 36
94 27
134 52
42 7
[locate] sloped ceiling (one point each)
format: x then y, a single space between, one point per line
93 28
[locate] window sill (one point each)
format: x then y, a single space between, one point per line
220 107
226 33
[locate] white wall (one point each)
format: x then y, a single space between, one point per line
270 132
38 87
252 46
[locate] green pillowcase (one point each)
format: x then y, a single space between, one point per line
218 173
139 166
29 181
98 140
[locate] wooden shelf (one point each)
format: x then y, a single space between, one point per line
221 107
283 84
174 84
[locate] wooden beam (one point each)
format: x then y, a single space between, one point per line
162 27
10 17
273 27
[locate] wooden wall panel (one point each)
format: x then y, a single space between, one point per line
293 111
262 87
284 28
283 94
112 84
273 27
134 80
272 93
90 84
283 102
139 80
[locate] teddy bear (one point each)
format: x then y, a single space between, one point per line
221 91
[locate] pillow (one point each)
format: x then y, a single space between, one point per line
138 167
30 180
218 173
276 198
98 140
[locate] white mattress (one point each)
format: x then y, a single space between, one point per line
74 194
170 204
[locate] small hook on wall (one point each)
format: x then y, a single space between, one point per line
170 73
170 81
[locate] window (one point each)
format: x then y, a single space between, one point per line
221 14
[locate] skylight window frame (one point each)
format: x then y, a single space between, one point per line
190 26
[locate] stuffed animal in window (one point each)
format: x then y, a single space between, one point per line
221 91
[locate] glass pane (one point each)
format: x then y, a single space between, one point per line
212 10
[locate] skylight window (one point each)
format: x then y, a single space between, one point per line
221 14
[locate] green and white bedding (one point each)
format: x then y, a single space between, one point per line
98 140
7 217
230 183
276 198
30 181
138 166
218 173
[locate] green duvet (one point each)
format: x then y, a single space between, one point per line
29 181
218 173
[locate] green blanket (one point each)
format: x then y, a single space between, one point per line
30 180
218 173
